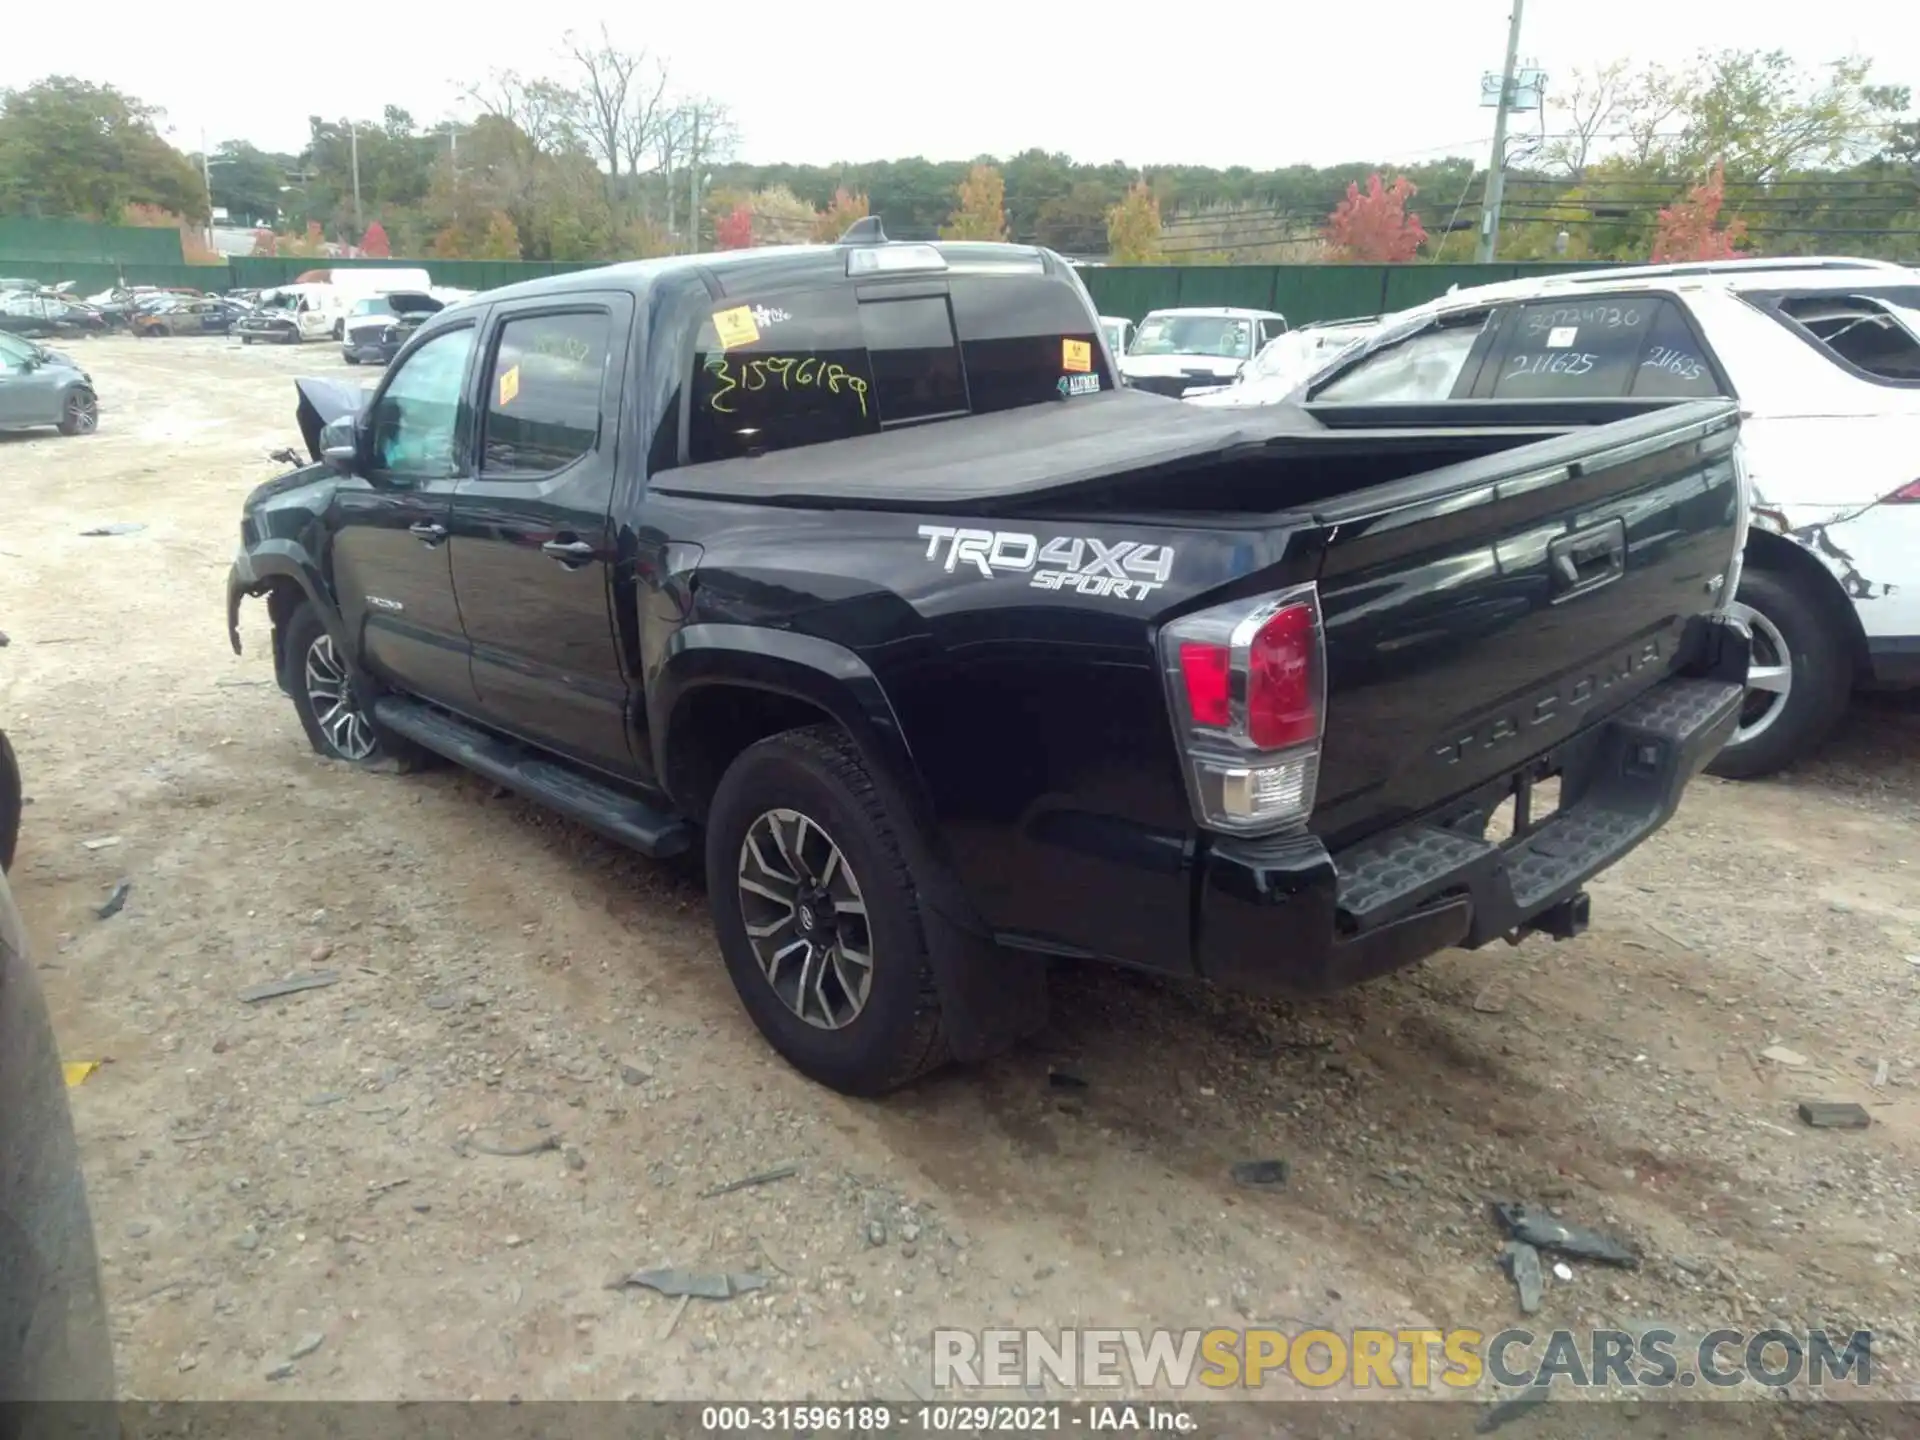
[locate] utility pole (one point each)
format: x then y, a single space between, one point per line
1497 166
206 177
693 185
353 129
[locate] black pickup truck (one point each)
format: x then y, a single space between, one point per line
855 568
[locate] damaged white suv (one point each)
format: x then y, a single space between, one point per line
1824 357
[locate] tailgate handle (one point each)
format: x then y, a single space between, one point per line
1588 559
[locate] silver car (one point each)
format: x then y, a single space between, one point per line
39 386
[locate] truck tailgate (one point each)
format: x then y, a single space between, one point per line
1479 615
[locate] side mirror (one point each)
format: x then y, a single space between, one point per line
340 444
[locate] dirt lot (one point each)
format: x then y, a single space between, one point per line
317 1166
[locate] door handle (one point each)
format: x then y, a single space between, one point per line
1588 559
569 552
429 533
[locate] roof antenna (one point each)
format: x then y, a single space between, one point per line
865 231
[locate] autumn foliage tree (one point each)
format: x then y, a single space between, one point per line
1690 228
982 211
1133 227
193 240
734 230
374 243
1372 226
837 218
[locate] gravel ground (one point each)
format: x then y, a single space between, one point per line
319 1173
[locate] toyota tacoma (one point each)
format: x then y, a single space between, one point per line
852 571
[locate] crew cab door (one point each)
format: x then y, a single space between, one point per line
533 548
391 572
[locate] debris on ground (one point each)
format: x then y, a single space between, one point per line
306 1345
1834 1115
116 901
765 1177
292 985
513 1149
699 1284
1511 1408
76 1071
103 842
282 1371
1261 1174
1544 1232
1065 1080
1522 1264
1562 1272
117 527
1781 1055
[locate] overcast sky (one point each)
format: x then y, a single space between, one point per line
1217 82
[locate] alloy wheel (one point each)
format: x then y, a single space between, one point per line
83 414
1769 675
806 918
330 693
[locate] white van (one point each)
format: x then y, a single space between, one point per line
291 314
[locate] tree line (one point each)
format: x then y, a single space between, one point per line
599 155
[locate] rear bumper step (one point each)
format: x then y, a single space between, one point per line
579 796
1282 915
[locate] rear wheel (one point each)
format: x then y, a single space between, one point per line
1798 683
79 413
334 714
816 909
12 800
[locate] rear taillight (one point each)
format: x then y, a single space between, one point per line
1907 494
1247 683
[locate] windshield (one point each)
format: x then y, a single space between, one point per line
284 300
1224 336
14 348
373 305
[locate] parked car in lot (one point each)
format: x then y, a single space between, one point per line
853 570
1119 332
378 325
291 314
39 316
55 1340
1823 356
1174 351
182 316
1284 363
39 386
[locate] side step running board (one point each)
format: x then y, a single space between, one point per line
592 802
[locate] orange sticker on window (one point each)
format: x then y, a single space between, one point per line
509 386
735 327
1076 355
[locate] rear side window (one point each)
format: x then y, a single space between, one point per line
914 357
1674 365
543 394
1575 349
1873 334
1424 366
1025 342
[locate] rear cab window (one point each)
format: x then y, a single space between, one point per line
1873 333
841 360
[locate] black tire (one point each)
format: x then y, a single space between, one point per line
349 357
339 329
12 800
817 773
1818 658
79 412
246 339
386 751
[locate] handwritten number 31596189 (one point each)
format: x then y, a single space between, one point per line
789 372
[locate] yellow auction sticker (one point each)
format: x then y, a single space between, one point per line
509 386
735 327
1076 355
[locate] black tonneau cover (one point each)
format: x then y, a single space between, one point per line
1007 455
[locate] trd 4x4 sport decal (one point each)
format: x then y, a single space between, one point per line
1126 568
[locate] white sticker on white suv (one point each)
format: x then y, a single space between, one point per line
1128 569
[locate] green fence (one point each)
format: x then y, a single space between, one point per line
1300 292
77 242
